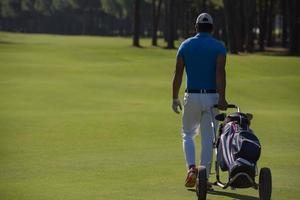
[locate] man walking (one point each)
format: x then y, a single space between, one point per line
203 58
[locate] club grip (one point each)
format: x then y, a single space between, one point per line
228 106
231 106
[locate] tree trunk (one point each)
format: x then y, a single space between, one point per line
262 23
154 32
230 26
240 24
136 23
249 12
186 24
166 20
155 17
270 23
294 26
284 23
171 31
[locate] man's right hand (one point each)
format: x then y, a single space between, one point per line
176 103
222 104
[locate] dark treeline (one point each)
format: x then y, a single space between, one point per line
244 25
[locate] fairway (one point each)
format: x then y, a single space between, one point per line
90 118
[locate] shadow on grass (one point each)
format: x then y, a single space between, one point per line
2 42
7 42
229 194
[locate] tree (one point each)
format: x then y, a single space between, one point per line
294 26
43 6
270 24
87 13
156 9
171 25
284 13
121 10
262 23
229 7
10 8
249 8
136 23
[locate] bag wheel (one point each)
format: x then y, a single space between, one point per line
265 184
201 183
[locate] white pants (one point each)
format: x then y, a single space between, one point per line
198 113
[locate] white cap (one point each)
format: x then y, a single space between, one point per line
204 18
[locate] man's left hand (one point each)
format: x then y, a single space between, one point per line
176 103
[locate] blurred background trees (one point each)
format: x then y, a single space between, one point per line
244 25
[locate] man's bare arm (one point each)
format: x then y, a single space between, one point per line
221 81
177 80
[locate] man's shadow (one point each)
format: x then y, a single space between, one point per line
229 194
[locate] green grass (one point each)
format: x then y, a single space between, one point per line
90 118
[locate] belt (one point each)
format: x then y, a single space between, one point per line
200 91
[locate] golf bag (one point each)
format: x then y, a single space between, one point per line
238 148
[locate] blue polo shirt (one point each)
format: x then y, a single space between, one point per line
200 56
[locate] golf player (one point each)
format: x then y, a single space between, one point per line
203 59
